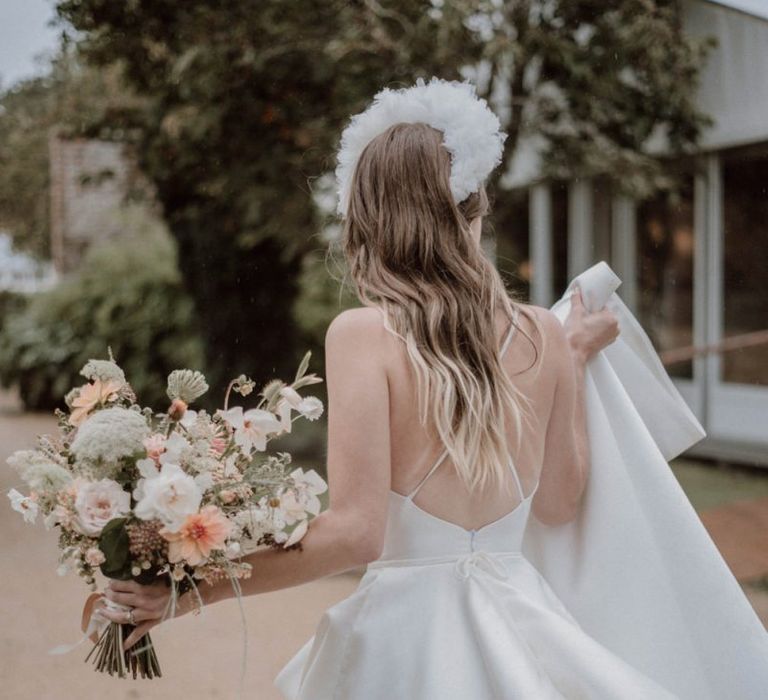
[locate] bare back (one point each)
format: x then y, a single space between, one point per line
531 363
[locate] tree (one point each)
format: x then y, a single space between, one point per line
597 85
243 104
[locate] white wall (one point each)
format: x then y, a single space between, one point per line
734 82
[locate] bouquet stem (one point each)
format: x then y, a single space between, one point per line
111 658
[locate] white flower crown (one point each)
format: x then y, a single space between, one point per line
471 132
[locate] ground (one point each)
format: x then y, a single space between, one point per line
201 656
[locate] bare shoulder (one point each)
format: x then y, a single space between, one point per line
549 327
357 329
549 323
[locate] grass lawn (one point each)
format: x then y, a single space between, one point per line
708 485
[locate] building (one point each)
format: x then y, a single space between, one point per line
692 268
91 180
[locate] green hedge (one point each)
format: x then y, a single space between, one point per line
127 295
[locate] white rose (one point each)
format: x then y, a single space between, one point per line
98 502
169 494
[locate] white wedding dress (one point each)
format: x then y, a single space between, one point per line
629 600
453 614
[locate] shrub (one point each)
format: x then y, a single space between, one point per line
127 295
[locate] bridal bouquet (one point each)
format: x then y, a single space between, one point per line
182 495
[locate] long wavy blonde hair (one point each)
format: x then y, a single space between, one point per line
410 252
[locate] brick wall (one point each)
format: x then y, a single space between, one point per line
89 181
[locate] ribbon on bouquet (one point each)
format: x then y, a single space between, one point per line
93 623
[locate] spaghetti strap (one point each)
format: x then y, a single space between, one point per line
517 480
510 332
444 454
439 461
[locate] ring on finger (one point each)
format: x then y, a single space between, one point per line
131 619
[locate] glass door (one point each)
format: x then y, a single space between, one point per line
738 243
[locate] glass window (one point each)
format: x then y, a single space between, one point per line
511 222
602 213
665 243
745 244
559 190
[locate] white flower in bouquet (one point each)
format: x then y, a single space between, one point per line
176 449
61 515
39 472
310 407
252 427
155 446
256 521
297 534
293 510
103 370
68 560
254 518
290 396
94 556
189 419
308 486
169 495
98 502
110 435
24 505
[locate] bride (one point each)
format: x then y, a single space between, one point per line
456 415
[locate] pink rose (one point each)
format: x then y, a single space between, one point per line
97 503
155 446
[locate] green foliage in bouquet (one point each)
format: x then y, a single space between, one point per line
114 544
128 296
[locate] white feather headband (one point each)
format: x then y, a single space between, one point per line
471 132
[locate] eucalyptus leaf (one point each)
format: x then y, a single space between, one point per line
114 542
303 366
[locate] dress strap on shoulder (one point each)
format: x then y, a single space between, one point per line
517 480
510 332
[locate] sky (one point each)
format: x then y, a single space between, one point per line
24 35
757 7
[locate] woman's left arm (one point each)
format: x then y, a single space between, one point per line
350 532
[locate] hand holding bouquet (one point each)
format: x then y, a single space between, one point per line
176 497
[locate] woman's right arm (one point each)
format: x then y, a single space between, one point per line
566 453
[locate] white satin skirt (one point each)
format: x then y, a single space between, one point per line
473 627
